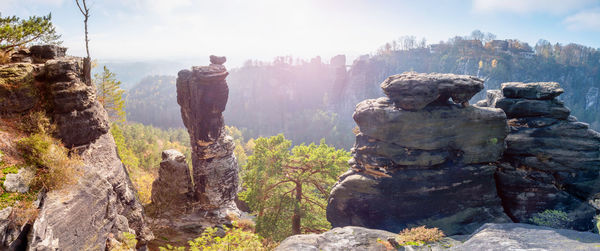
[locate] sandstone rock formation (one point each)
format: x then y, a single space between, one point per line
79 117
490 236
103 203
552 161
517 236
413 91
17 91
202 93
341 239
172 189
431 164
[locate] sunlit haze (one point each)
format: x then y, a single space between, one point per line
241 29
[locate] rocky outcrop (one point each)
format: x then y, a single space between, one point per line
517 236
17 90
18 182
413 91
493 237
429 165
551 161
103 203
172 189
202 93
80 119
352 238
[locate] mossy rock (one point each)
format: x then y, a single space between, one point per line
17 89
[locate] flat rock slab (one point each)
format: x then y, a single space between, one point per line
539 90
476 133
521 108
516 236
414 91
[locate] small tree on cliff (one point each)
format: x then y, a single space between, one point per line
110 95
87 61
288 190
16 32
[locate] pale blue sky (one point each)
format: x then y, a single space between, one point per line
263 29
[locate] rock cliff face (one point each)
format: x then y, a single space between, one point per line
103 203
422 159
202 94
552 161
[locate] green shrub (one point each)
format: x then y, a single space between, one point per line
234 239
37 122
55 168
551 218
418 236
11 169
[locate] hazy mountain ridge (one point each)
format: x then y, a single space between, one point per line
268 98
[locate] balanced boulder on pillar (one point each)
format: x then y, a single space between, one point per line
202 93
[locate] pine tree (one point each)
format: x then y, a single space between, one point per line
110 95
288 190
16 32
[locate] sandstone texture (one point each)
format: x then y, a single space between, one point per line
18 182
202 94
413 91
490 236
551 161
17 90
432 164
103 203
355 239
79 117
517 236
173 187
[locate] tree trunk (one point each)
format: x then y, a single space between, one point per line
296 216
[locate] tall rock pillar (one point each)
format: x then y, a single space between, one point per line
202 93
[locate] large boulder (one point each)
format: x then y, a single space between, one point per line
540 90
18 182
41 53
356 239
413 91
429 165
490 236
172 189
551 161
516 236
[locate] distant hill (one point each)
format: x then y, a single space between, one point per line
153 101
310 100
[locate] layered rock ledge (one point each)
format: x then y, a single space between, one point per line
552 161
421 159
202 94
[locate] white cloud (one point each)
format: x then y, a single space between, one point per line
529 6
584 20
